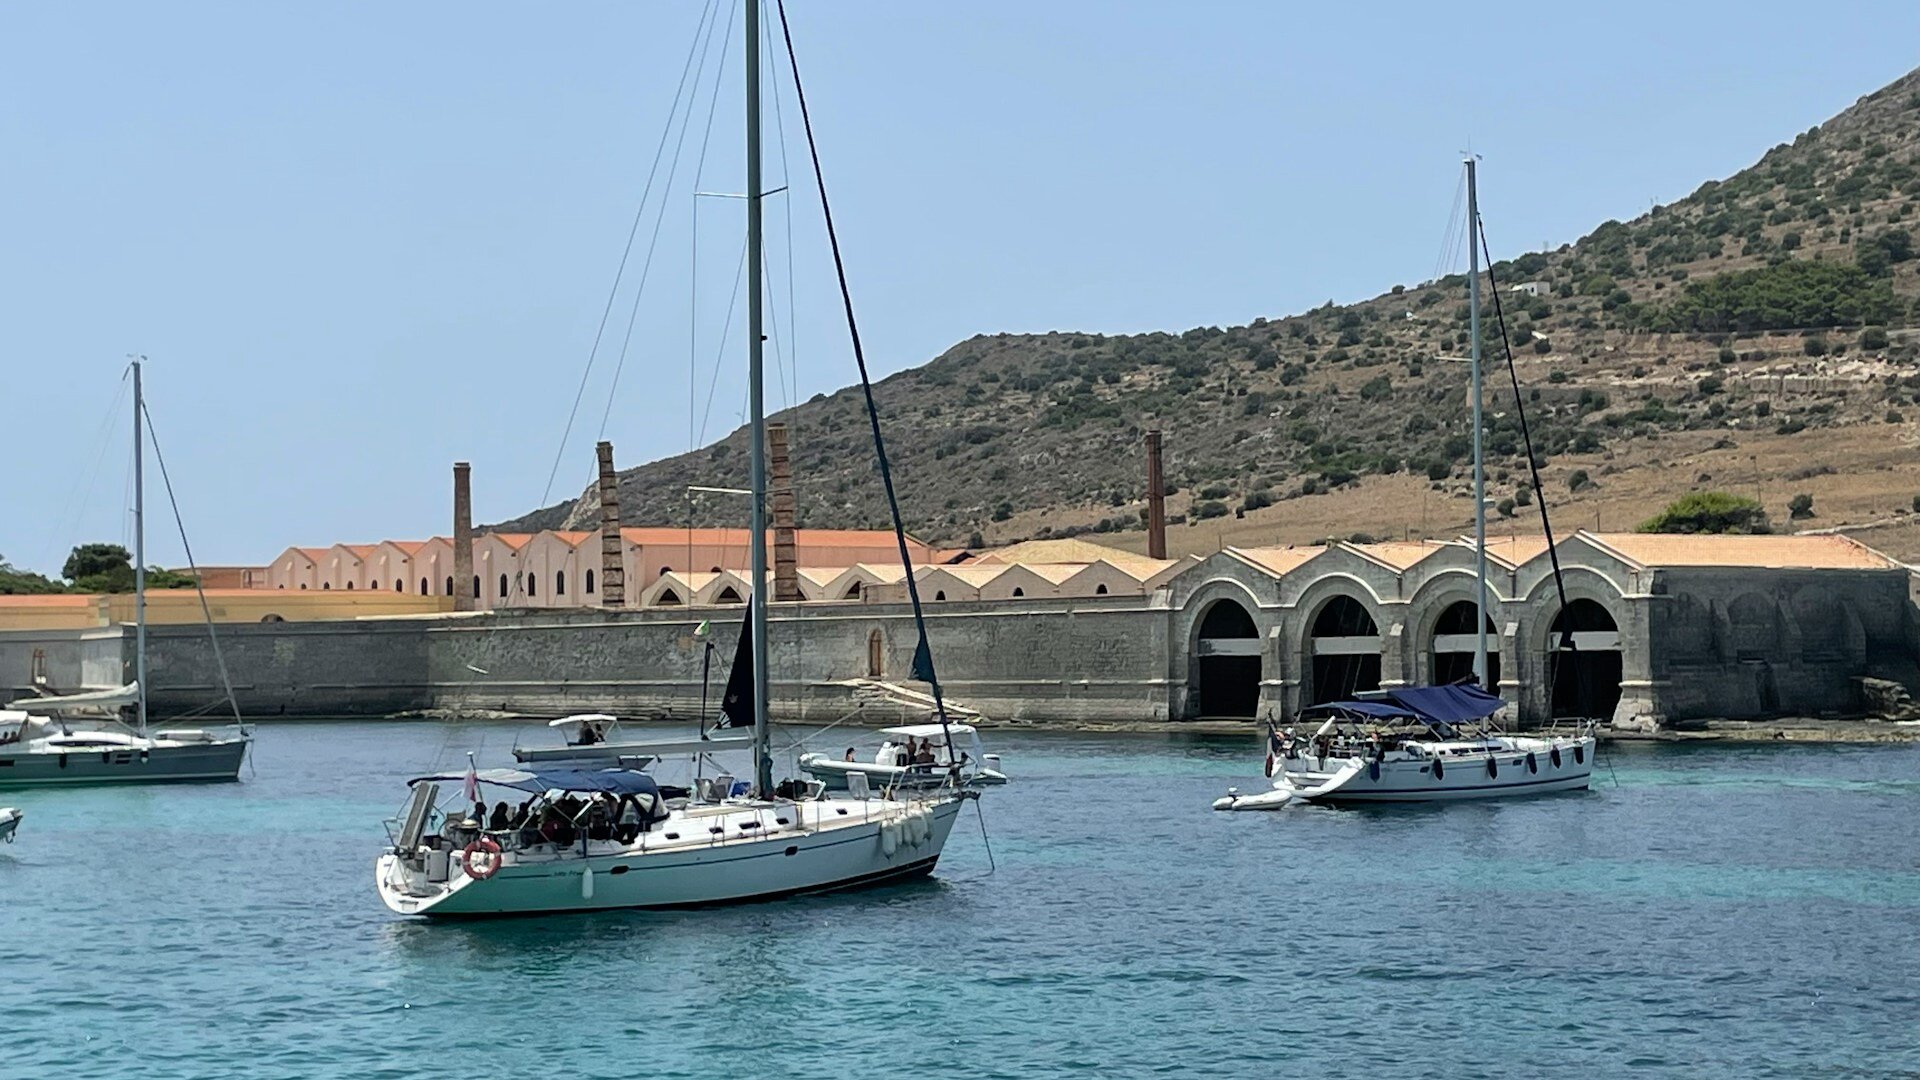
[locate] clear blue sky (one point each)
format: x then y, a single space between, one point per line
360 241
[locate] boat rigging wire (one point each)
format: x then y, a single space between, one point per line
1533 469
614 290
199 587
693 245
77 499
922 666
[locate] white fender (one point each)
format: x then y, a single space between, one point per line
916 827
586 883
889 838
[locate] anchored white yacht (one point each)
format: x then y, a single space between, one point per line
892 765
37 750
1432 743
598 838
591 836
1415 744
80 739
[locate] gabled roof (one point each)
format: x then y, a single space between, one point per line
569 537
1053 551
668 536
1400 554
1511 551
313 555
1278 560
360 551
1819 552
408 547
516 541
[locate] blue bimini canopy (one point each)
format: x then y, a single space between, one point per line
559 778
1454 704
1379 710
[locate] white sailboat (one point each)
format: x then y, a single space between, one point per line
591 836
1427 743
79 739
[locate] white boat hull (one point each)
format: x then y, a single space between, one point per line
9 821
164 761
824 852
1461 778
833 773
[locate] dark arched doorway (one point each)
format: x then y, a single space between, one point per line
1227 662
1455 643
876 655
1585 672
1345 645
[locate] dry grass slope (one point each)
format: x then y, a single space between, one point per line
1756 336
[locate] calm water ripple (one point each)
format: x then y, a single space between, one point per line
1743 911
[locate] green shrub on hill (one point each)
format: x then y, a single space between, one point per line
1784 296
1709 512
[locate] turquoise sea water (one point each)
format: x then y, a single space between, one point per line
1717 912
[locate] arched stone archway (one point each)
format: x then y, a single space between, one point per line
1584 675
1226 662
1455 644
1343 646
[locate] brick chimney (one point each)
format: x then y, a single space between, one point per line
462 536
613 568
1156 500
786 574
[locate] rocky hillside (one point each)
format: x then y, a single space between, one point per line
1757 334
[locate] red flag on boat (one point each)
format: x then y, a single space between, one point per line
472 787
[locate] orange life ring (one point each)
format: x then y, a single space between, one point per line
491 866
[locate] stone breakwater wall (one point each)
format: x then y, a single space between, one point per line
1041 661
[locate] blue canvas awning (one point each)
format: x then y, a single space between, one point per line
1454 704
1379 710
559 778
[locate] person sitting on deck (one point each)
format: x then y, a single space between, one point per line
498 822
924 756
849 756
599 821
630 820
588 734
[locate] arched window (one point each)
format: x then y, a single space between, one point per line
283 586
668 596
533 580
423 586
876 655
503 586
853 592
727 596
1100 590
326 585
349 584
713 570
449 584
303 586
400 586
665 570
1018 591
941 595
589 582
476 586
559 583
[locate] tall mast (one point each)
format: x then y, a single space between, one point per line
139 553
1479 463
757 597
